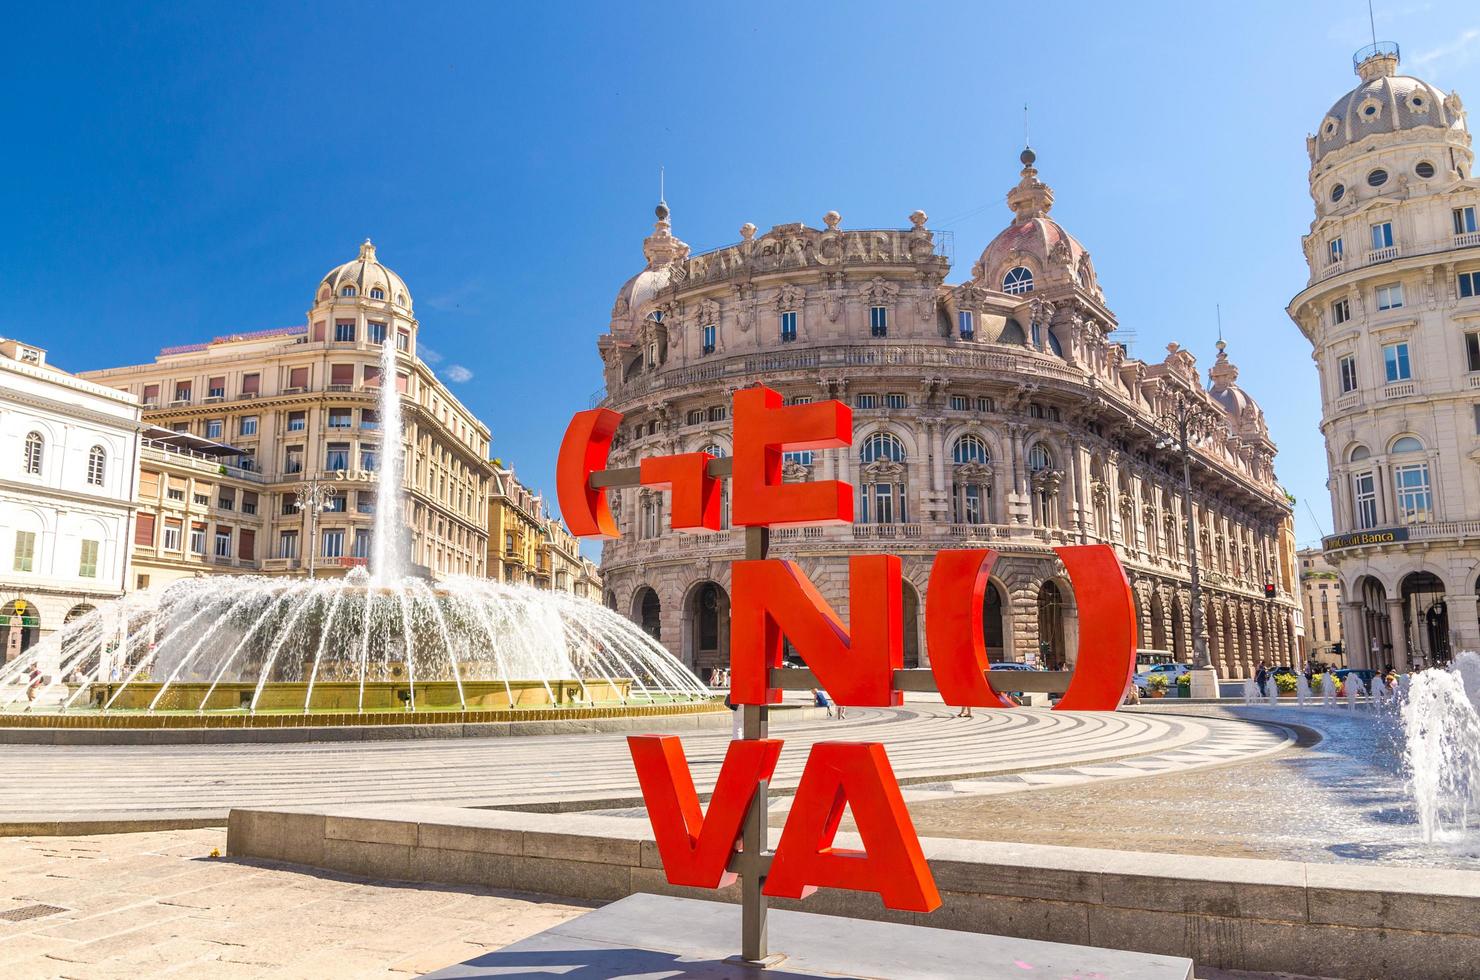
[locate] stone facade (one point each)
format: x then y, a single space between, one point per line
69 454
1320 596
1392 311
527 545
300 403
998 412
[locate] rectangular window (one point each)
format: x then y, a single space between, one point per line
298 377
375 332
198 539
403 341
959 403
695 416
151 394
25 551
249 502
804 457
878 321
709 338
985 404
247 544
201 499
788 326
965 325
1333 251
182 392
297 421
800 400
365 501
1464 221
213 428
226 499
1347 368
866 401
223 542
336 456
1469 284
1382 235
248 425
342 375
333 543
716 414
293 459
1477 419
1415 503
341 418
216 388
144 530
344 331
171 535
1390 297
1364 497
362 542
1472 350
288 544
369 457
1341 311
896 399
251 384
1395 362
369 418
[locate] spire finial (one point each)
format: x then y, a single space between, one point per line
1218 311
1372 22
1026 142
661 199
662 209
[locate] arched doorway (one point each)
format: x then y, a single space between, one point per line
707 624
1426 620
20 626
911 625
1179 634
1158 622
1051 647
611 600
647 612
994 624
1377 630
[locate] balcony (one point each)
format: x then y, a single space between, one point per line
1401 389
1469 239
1382 255
1349 400
1388 254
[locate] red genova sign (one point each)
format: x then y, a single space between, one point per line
771 599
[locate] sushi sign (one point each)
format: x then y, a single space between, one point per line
858 664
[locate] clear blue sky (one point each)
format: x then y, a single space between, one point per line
172 175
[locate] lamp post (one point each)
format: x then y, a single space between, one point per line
314 496
1186 415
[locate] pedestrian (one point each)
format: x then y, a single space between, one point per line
1261 677
841 710
965 711
820 699
737 720
34 682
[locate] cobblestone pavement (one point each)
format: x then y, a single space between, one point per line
155 905
924 741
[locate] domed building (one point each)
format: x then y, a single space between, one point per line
997 412
1392 312
242 421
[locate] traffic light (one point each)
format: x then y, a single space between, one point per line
1269 590
1336 648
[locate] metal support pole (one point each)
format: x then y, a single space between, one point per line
754 946
1200 656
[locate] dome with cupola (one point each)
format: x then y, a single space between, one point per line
1243 411
663 251
1034 250
364 277
1385 102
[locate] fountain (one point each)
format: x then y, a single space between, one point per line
1441 721
1353 690
1302 689
1328 690
1273 690
389 640
1251 691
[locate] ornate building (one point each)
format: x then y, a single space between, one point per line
285 406
1000 412
1320 594
1392 311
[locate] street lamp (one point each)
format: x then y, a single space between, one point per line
1187 415
314 496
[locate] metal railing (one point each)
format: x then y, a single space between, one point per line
1377 256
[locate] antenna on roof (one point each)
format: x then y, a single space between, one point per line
1025 125
1218 308
1372 23
661 199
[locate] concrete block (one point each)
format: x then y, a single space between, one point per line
583 848
1027 881
1205 896
296 837
370 830
369 860
463 867
1026 918
475 836
1437 900
573 879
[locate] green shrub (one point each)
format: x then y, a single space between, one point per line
1285 682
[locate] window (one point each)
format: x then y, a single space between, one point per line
1379 176
788 326
716 414
1424 169
708 336
896 399
31 460
403 341
198 539
25 551
336 456
151 395
96 461
1477 419
966 325
882 446
1469 284
374 332
298 377
341 418
1341 311
1407 444
213 428
223 542
365 502
1382 235
1337 192
1039 459
288 544
866 401
1346 367
362 542
1364 501
970 449
347 291
377 293
959 403
1390 297
344 331
1414 500
1472 351
251 384
369 418
182 392
336 504
216 388
985 404
226 499
878 321
249 502
1018 280
799 400
369 457
172 535
1395 362
247 425
803 457
1464 221
1333 251
715 450
297 421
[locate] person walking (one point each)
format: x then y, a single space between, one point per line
965 711
1261 677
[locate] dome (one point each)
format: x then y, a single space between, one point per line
1385 102
1034 242
663 252
365 274
1236 402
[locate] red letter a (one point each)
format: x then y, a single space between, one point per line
694 847
856 774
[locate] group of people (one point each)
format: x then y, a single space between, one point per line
1265 675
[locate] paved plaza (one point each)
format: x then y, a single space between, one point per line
157 905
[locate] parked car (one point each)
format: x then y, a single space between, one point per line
1008 665
1170 671
1364 676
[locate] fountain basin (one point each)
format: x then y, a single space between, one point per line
350 696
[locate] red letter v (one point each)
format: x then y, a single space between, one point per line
695 847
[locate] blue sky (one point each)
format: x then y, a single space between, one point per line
172 174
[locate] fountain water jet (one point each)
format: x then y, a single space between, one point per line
1441 722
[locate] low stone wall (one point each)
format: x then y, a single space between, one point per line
1232 913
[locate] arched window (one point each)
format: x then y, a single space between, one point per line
1045 483
1018 280
715 450
1364 491
377 293
35 445
971 485
347 291
1407 444
1039 459
96 459
881 446
1359 453
970 449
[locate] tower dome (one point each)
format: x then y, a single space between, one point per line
1385 102
368 278
1242 410
1035 249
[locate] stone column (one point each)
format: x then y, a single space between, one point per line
1400 634
1464 625
1354 638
